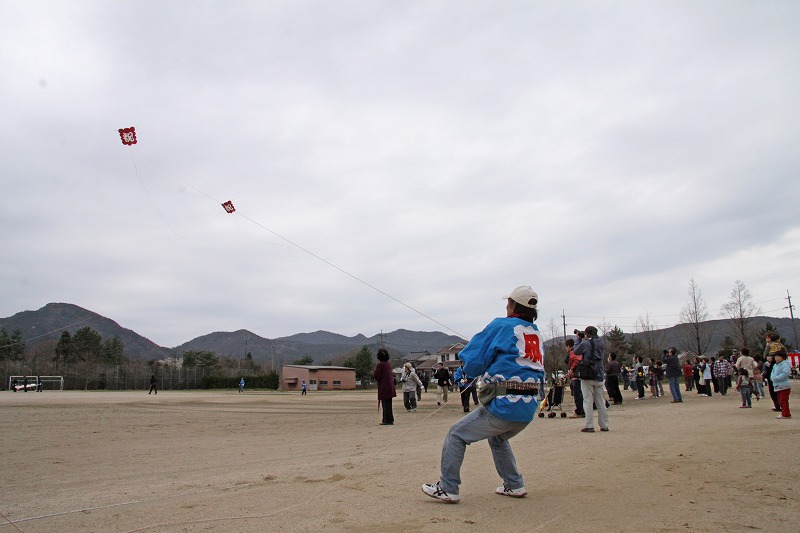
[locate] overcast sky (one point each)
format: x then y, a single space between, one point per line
396 164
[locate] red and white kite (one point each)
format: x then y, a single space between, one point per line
128 136
227 205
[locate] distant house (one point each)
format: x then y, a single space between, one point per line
318 377
448 355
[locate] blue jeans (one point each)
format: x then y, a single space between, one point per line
745 392
480 424
675 389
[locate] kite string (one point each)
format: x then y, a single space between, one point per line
136 168
10 522
309 252
49 332
306 501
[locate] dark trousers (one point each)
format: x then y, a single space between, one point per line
640 387
575 384
612 384
722 385
773 394
386 407
409 400
153 388
465 399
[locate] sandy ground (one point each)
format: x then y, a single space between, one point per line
267 461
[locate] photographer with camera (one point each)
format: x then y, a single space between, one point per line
591 350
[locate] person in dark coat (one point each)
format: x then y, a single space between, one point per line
613 371
385 379
674 372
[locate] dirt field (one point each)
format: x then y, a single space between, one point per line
267 461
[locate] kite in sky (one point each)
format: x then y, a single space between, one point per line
128 136
228 206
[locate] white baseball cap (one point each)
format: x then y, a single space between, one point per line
524 295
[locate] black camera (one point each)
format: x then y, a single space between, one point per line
580 334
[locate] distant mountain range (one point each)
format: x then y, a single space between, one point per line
48 323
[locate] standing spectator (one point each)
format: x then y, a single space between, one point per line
757 383
688 375
743 386
746 362
442 377
613 372
638 372
706 377
591 348
411 383
721 368
153 384
651 378
303 388
659 379
626 377
574 383
425 380
508 397
385 379
241 385
466 387
780 378
769 365
673 371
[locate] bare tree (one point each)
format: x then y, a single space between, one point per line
557 351
740 310
651 338
696 333
604 326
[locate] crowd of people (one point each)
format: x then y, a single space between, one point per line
508 357
756 377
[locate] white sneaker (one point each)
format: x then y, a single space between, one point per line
783 417
514 493
435 491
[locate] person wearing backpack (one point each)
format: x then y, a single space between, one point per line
591 351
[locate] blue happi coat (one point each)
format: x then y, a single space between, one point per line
508 349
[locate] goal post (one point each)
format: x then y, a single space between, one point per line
31 383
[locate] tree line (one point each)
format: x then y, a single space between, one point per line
695 331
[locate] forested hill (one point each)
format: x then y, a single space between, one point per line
46 325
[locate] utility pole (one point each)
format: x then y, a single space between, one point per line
564 321
791 314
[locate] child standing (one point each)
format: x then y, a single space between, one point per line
743 386
758 381
780 380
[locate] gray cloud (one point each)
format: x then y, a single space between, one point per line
442 153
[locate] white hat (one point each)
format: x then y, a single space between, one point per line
524 296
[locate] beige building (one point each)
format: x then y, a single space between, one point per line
318 377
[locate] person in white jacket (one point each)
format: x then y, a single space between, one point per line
410 382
